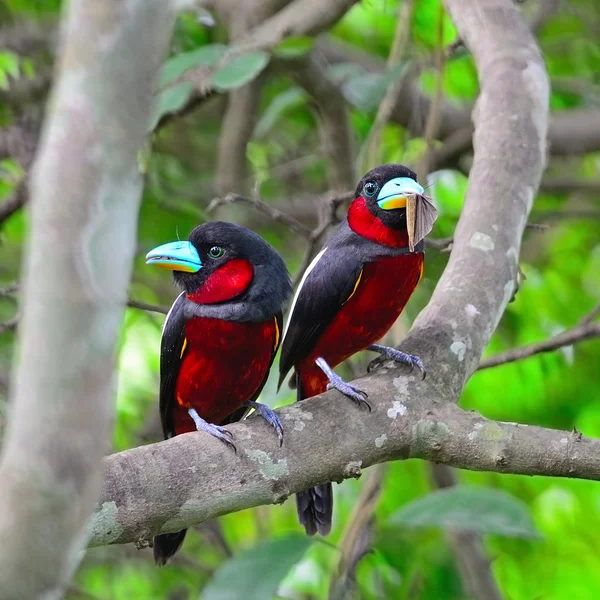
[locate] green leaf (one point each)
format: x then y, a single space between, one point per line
205 56
287 100
366 90
170 100
294 47
258 571
9 64
239 70
473 508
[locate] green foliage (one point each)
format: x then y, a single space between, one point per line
469 508
239 70
224 73
169 101
294 47
9 67
258 571
205 56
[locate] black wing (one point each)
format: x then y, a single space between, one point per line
328 283
171 353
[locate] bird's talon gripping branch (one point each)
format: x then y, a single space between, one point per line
387 353
337 383
215 430
269 416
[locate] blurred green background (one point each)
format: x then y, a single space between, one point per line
555 555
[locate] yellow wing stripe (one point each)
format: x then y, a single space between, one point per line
183 347
355 285
421 273
276 344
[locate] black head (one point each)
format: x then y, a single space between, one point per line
211 248
399 179
393 195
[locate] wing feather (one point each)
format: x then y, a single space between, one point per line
172 349
326 285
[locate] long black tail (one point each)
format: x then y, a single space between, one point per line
315 509
166 545
315 505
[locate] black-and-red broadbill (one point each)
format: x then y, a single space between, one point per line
220 336
351 294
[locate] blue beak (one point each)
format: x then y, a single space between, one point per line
175 256
393 194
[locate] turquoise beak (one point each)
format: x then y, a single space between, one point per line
175 256
393 194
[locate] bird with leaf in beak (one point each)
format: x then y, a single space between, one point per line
350 296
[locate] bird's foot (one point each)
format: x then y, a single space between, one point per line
269 416
215 430
337 383
387 353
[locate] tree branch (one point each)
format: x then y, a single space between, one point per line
193 477
301 17
273 213
334 123
584 331
14 202
368 156
236 130
572 132
162 310
86 188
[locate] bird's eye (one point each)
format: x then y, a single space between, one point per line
370 188
216 252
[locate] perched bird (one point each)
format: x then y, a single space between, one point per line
351 294
220 336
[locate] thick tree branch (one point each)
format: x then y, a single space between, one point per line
571 132
86 186
193 477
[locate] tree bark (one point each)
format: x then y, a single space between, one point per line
85 192
193 477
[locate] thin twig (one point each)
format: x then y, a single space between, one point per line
358 535
591 316
584 330
273 213
163 310
11 324
11 205
445 244
9 290
433 117
328 217
369 153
